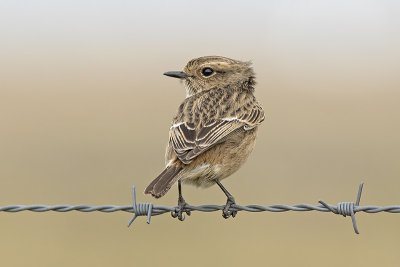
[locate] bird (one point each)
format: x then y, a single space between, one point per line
214 129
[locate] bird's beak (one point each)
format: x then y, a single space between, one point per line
176 74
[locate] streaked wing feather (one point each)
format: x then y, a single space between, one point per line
215 135
189 142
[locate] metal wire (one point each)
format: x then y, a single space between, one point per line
148 209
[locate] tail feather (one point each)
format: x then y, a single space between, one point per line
160 186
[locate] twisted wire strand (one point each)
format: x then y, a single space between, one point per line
158 210
148 209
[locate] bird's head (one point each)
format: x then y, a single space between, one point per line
208 72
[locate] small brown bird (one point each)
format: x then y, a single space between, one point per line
214 130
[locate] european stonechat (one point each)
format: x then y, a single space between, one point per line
214 130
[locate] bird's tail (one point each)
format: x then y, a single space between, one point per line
160 186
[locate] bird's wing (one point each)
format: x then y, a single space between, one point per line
189 141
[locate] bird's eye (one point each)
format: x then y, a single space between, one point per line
207 71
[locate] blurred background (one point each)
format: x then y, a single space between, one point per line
85 112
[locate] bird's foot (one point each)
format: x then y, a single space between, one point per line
181 209
227 211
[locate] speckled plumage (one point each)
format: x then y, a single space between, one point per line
215 127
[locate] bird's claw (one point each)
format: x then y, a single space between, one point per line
227 211
178 212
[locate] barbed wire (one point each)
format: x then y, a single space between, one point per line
148 209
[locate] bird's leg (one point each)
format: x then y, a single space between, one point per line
181 205
226 212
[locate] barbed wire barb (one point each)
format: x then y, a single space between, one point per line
140 208
347 208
